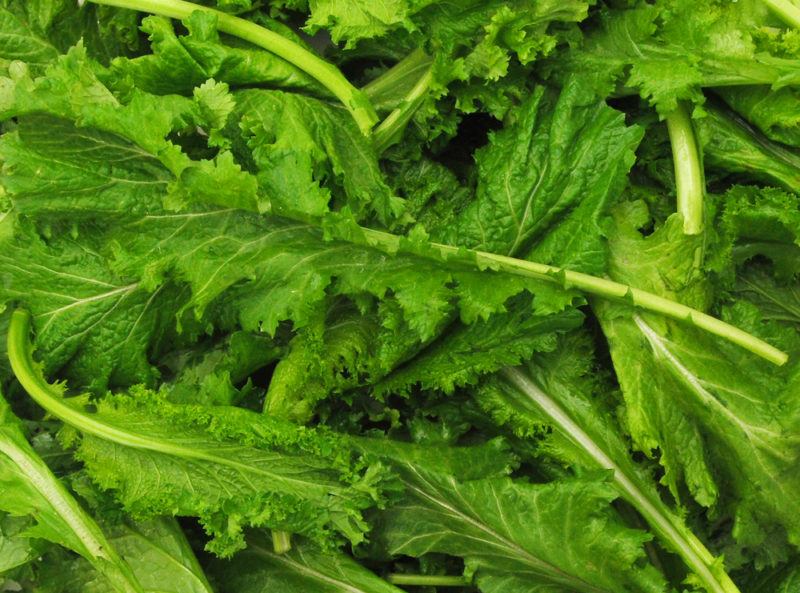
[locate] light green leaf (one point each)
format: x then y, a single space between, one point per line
560 402
297 142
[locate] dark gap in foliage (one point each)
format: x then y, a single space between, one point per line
194 143
473 133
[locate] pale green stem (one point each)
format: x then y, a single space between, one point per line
786 10
386 85
424 580
689 182
281 541
391 128
593 285
327 74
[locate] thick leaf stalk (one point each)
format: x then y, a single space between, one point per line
785 10
688 170
593 285
427 580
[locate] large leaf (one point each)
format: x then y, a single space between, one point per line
516 536
545 180
560 402
79 304
30 488
228 466
723 423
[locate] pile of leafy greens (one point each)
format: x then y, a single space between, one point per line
346 296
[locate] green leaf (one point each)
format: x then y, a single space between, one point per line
177 64
489 523
16 548
475 38
546 179
730 145
721 421
479 54
52 167
211 373
258 569
228 466
18 41
775 300
160 556
759 222
77 324
667 51
560 402
530 198
35 32
465 353
773 112
784 579
298 142
30 488
282 46
157 552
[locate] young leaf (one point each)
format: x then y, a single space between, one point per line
297 142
